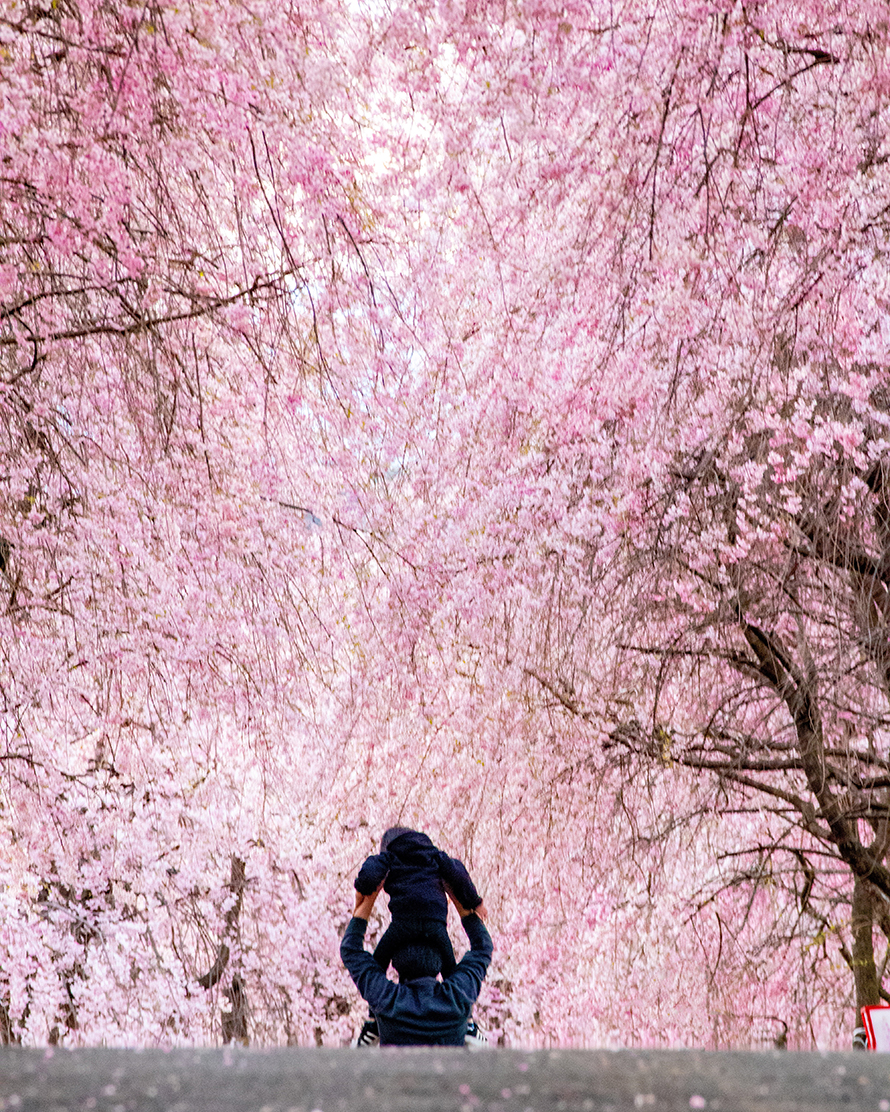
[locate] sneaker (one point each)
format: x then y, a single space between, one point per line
369 1034
476 1039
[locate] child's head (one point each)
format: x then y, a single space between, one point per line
412 962
391 835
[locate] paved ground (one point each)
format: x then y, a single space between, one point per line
440 1081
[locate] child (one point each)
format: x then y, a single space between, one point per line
414 874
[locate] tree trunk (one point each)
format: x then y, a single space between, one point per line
865 974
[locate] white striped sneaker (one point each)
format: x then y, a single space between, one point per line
369 1034
476 1038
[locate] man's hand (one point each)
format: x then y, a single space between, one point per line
364 905
461 910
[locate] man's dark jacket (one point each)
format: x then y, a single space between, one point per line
425 1012
414 871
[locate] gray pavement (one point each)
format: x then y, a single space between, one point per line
438 1080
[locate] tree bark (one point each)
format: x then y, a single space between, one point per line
865 974
234 1019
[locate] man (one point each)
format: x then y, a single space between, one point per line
419 1010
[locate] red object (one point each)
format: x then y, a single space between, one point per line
877 1026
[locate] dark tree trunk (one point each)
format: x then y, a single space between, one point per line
865 974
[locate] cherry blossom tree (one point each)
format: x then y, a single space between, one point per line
465 416
168 640
687 324
710 455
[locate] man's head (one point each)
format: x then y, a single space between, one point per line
413 962
391 835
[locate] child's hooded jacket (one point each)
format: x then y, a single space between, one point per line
415 873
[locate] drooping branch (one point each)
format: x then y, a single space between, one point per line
797 691
562 693
200 307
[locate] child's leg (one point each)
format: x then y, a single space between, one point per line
436 934
399 933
